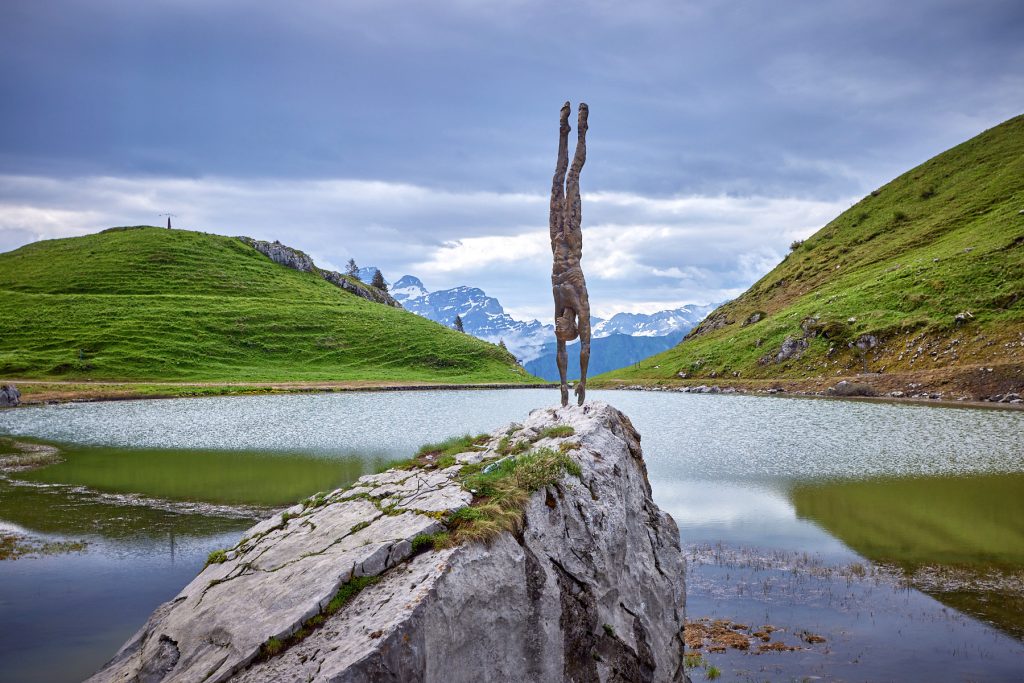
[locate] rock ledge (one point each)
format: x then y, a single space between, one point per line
592 589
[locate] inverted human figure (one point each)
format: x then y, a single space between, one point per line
569 287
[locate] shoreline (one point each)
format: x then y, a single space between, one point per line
46 392
990 385
764 393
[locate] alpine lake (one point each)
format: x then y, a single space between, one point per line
840 540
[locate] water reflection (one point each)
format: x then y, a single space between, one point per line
959 539
226 477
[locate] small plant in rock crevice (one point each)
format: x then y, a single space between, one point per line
216 557
274 646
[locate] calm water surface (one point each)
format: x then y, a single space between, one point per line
776 499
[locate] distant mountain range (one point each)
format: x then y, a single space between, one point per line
621 340
482 315
615 351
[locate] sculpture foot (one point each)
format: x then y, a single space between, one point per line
581 392
565 395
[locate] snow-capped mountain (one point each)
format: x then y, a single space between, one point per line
366 274
654 325
482 315
635 335
606 353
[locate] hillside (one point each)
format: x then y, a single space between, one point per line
918 286
153 304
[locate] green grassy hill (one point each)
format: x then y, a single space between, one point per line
153 304
945 239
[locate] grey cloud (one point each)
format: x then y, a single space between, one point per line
638 251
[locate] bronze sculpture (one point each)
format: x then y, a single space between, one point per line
572 306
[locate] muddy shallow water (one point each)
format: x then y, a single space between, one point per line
894 533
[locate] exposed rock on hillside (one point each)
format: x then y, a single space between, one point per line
9 396
590 589
298 260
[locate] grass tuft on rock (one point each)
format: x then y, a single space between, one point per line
501 491
217 557
557 432
275 646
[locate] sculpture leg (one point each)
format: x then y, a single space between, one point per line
563 365
557 209
573 211
584 327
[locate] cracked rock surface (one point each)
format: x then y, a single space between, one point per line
591 590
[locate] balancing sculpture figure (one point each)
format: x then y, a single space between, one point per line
572 306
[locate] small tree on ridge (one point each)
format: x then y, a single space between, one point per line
458 323
378 282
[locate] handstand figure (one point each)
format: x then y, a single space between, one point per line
572 307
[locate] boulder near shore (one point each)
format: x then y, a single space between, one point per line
405 576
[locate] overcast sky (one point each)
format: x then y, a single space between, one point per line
420 137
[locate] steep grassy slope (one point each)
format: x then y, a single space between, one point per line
944 239
147 303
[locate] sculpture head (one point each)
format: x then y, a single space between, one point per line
565 326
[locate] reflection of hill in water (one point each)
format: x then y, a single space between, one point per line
969 527
220 477
75 513
95 490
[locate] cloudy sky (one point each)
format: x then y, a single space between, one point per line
420 137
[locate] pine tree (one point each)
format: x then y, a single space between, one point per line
458 323
501 343
378 282
352 270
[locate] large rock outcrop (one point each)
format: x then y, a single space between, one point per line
9 396
591 589
299 260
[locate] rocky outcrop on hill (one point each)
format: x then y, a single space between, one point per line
298 260
9 396
356 585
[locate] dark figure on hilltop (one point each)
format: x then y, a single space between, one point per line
572 306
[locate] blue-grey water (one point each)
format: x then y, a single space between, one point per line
726 467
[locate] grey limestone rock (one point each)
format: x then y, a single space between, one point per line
298 260
592 589
9 396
